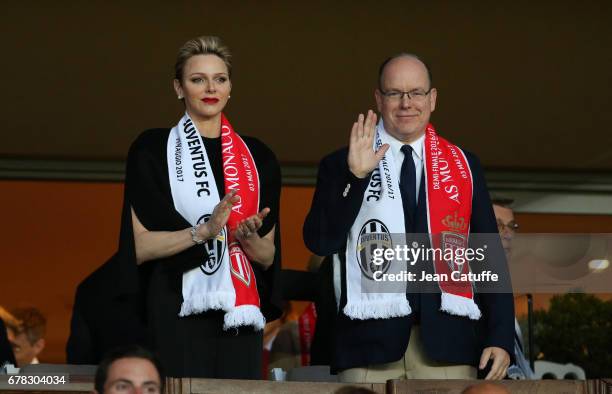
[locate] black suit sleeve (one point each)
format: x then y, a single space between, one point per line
335 205
6 351
80 347
497 308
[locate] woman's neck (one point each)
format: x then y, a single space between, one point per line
209 127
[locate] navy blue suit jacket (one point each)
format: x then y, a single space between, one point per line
446 338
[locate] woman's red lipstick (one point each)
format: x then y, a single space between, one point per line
210 100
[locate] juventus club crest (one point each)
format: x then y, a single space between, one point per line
373 235
215 248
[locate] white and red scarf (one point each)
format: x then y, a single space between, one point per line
448 182
225 279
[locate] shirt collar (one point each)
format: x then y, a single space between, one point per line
417 146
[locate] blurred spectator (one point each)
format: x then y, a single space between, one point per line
28 339
106 314
6 351
507 226
486 388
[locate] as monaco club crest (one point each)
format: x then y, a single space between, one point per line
239 264
453 240
373 235
215 248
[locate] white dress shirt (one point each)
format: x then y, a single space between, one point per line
417 157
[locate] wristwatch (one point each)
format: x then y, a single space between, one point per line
194 236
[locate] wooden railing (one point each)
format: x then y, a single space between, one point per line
230 386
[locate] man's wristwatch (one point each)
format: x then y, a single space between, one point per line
194 235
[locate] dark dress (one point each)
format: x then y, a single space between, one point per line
194 346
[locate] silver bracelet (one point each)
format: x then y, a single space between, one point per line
194 236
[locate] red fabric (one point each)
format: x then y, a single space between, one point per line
306 324
449 207
240 174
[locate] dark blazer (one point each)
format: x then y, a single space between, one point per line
6 351
446 338
104 316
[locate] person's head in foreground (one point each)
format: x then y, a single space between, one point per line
486 388
129 369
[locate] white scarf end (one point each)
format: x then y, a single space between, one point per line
211 301
377 309
244 315
460 306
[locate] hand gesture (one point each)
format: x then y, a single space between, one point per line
219 217
361 157
247 228
501 361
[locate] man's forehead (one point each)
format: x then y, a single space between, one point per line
503 212
406 71
134 369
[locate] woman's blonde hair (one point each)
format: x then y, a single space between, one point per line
203 45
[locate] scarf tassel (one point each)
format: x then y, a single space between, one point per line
244 315
460 306
216 301
377 309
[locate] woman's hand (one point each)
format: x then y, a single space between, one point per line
219 217
248 227
258 249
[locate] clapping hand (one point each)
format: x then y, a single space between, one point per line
247 228
361 157
219 216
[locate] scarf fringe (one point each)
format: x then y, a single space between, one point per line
460 306
377 309
198 304
244 315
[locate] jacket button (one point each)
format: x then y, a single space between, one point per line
346 189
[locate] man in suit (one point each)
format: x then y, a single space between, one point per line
107 313
507 226
416 339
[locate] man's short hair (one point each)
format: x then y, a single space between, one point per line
381 69
130 351
502 201
33 323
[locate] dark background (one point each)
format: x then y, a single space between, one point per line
522 84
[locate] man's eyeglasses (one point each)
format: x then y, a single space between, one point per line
511 226
413 95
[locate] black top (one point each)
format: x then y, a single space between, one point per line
147 190
446 338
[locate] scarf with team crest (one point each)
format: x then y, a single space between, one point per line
225 279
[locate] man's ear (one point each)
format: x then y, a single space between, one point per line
379 98
39 346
